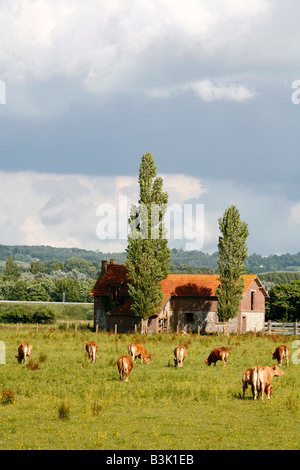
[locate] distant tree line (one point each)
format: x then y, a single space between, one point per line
254 263
53 283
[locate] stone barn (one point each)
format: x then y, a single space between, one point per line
189 304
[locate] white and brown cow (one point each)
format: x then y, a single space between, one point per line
125 366
24 351
137 350
246 381
180 354
261 379
218 354
92 348
280 353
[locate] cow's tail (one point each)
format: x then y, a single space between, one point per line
259 378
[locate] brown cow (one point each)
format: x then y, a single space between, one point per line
180 355
280 353
246 381
125 366
217 354
92 348
137 350
261 379
24 351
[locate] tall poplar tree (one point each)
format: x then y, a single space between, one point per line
232 255
148 255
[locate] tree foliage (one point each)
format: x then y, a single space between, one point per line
11 270
283 303
232 254
148 254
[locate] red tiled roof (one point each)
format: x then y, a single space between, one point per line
191 285
185 285
116 274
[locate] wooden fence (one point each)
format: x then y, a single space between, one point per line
282 328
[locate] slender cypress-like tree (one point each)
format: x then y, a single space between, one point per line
148 255
232 255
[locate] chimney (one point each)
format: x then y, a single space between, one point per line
104 267
113 261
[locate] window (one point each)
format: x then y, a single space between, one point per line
189 317
252 300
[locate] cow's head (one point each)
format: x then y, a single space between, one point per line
19 359
276 371
147 358
207 362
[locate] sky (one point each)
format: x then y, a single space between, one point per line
212 89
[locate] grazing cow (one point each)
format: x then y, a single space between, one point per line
261 380
280 353
125 366
180 355
92 348
24 351
246 381
217 354
137 350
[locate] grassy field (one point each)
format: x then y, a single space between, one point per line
160 408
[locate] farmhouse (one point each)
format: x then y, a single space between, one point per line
189 303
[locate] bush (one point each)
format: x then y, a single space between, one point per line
17 315
44 315
23 315
63 411
7 397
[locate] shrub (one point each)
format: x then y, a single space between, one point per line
44 315
20 314
63 411
32 366
16 315
7 397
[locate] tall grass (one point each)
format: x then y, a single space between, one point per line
195 407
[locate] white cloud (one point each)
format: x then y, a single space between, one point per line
110 47
61 210
209 91
294 216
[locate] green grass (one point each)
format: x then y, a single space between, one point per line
160 408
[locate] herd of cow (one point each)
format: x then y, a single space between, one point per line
259 377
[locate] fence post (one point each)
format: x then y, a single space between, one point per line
269 327
177 329
198 329
295 328
37 327
116 328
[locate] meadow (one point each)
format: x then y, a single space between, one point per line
65 402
